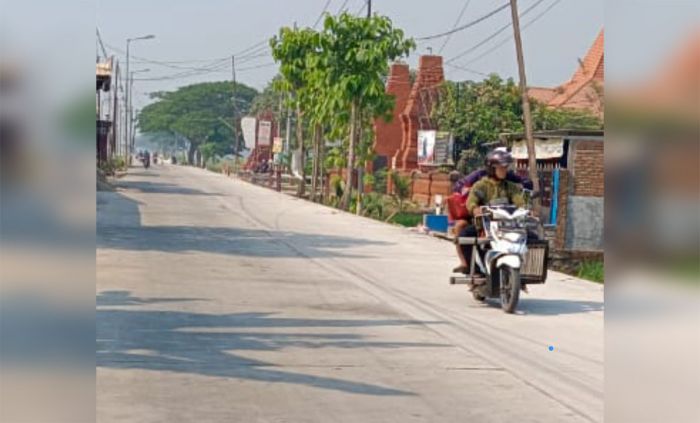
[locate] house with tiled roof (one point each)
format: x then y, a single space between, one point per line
584 91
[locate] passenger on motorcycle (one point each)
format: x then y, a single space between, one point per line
495 187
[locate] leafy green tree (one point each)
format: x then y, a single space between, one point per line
297 52
477 112
195 112
355 54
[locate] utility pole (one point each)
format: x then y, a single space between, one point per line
532 160
369 9
236 141
127 99
127 88
113 139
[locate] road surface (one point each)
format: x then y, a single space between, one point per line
220 301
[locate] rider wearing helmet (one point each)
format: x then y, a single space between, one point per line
493 188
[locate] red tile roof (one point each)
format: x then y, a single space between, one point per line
585 88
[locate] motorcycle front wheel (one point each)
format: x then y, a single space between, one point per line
510 288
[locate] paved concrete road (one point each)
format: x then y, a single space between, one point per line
219 301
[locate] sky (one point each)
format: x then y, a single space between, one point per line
215 29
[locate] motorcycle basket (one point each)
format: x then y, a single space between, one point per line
534 268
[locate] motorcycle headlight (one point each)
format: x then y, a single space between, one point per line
512 236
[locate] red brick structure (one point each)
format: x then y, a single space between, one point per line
416 114
261 152
388 135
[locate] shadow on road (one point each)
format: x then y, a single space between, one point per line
160 188
226 240
205 344
119 226
550 307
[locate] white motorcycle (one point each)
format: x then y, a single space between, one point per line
506 260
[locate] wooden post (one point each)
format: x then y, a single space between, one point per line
529 140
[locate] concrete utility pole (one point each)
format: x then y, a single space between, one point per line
127 88
236 141
532 160
369 9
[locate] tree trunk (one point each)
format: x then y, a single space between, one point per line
300 140
360 168
190 154
347 194
316 154
321 158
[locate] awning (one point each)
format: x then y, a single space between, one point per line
544 149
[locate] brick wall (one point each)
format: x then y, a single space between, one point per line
564 181
588 169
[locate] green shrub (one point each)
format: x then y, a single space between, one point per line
592 270
407 219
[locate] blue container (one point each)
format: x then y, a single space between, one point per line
435 222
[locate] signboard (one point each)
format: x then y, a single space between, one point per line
248 128
544 149
264 132
444 147
277 145
435 148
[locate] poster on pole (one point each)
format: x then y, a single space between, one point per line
435 148
444 148
277 145
426 147
264 132
248 124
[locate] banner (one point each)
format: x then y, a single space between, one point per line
264 132
435 148
444 148
277 145
426 147
544 149
248 128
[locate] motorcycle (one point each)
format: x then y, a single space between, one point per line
506 257
146 162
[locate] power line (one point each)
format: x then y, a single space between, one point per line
459 19
494 35
466 69
342 7
508 39
467 25
328 2
364 4
102 46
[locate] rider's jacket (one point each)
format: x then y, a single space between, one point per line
490 190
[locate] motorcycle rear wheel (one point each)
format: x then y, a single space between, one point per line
510 288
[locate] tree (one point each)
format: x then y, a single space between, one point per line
195 112
295 50
355 54
478 112
269 99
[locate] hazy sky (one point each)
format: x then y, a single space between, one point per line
214 29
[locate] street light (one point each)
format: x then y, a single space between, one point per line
131 111
128 94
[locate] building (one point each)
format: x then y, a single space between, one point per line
584 91
570 167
